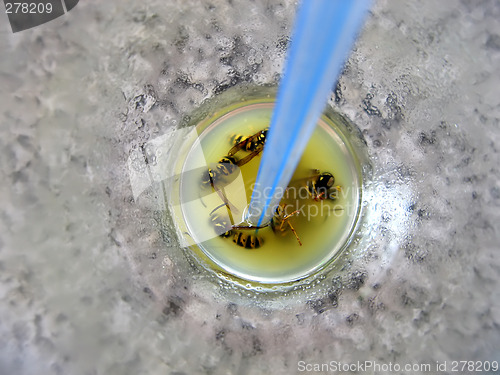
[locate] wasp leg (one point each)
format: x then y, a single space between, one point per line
201 200
216 208
334 210
315 195
286 217
295 233
320 196
311 189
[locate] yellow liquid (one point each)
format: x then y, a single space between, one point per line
323 226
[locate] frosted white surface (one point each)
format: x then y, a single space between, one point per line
91 283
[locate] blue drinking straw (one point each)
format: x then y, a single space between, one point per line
323 35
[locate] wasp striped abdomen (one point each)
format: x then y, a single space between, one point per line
248 241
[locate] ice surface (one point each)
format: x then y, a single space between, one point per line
90 281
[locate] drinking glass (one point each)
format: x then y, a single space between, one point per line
93 277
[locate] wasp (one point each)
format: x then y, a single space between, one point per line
320 186
224 167
223 228
228 164
280 222
253 143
